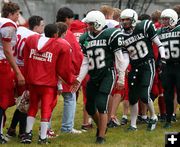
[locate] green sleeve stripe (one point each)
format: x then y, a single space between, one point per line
115 37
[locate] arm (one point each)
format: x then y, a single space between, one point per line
82 74
160 46
64 64
122 62
11 60
59 86
83 69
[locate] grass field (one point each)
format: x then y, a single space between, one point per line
116 137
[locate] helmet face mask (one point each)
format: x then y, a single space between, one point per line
128 18
126 23
169 17
95 19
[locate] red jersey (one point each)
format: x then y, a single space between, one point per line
77 57
44 64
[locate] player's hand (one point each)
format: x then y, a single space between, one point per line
75 86
20 78
119 86
59 92
162 66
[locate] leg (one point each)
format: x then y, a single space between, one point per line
86 124
2 140
12 129
22 123
112 119
48 97
68 112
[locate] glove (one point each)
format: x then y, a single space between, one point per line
162 66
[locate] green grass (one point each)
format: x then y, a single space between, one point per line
116 137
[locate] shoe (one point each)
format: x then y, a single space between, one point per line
100 140
86 127
2 139
131 128
167 125
51 134
21 136
27 139
113 123
140 119
43 141
124 121
10 133
152 124
173 118
74 131
162 117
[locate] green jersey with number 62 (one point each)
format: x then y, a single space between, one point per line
171 42
100 51
139 43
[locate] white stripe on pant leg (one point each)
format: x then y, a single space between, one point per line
152 68
113 75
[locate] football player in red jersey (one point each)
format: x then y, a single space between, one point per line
44 60
36 25
10 13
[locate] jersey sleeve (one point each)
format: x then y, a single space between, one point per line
8 32
64 64
150 30
115 41
26 57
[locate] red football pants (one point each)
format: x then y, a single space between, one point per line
6 85
44 94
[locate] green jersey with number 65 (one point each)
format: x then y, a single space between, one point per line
171 42
100 51
139 43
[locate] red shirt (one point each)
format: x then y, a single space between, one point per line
77 57
43 66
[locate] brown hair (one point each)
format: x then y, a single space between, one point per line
117 13
177 9
62 28
9 8
107 10
155 16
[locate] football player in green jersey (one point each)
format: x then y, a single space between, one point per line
101 49
137 39
169 35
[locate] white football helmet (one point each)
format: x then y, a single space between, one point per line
130 13
171 14
97 18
